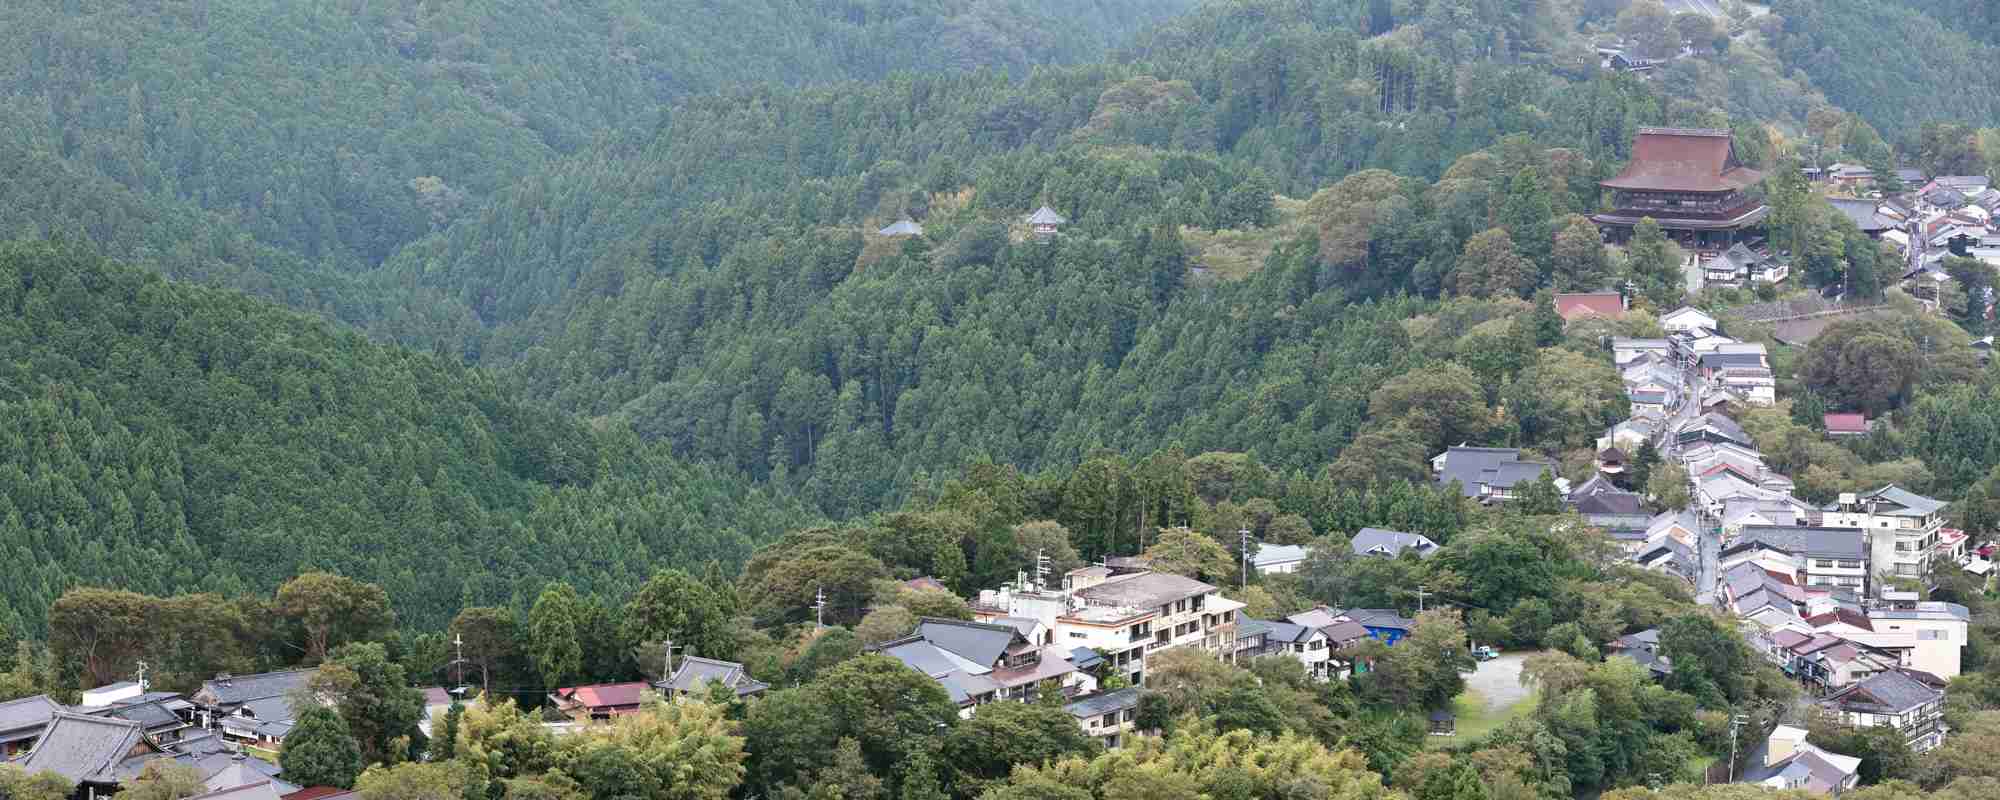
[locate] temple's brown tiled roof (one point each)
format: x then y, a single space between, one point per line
1683 160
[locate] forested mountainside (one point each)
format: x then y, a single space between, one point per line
169 438
1897 63
335 132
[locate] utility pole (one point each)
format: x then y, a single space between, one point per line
458 641
1421 594
1042 569
1243 550
819 607
142 677
668 674
1736 722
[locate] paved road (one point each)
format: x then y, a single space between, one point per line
1708 569
1691 269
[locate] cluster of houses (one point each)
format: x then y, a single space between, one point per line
117 731
1952 215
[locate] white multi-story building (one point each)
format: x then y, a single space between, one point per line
1125 616
1905 530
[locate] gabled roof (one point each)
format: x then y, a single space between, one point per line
927 658
1100 704
695 671
1046 216
1343 632
903 228
1380 618
85 748
977 642
1689 314
1837 543
1864 213
1376 541
1902 502
27 713
235 689
1499 467
1577 305
1683 160
231 770
1891 692
1269 554
604 695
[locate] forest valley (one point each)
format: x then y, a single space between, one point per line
346 335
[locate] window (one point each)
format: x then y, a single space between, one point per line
1228 616
1934 636
1298 647
1195 604
1078 635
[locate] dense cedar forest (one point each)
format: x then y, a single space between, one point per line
169 438
331 332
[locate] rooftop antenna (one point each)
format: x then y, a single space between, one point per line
1042 568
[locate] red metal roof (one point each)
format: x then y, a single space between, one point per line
1846 423
604 695
1683 160
1590 304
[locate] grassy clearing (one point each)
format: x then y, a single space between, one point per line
1234 254
1477 717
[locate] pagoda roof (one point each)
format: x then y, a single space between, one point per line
1684 160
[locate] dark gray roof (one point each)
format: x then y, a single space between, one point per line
1024 625
1085 658
1891 692
919 655
977 642
1100 704
964 687
1614 502
1845 543
270 709
1732 361
27 713
1369 541
236 689
1499 467
154 715
1380 618
230 770
1864 214
84 748
1144 590
694 671
1345 631
1247 627
1911 504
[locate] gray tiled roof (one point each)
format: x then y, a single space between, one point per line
230 770
1913 504
977 642
1380 618
1501 467
964 686
1891 692
84 748
1247 627
27 713
1845 543
1268 554
236 689
152 715
1105 703
695 671
924 657
1368 541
